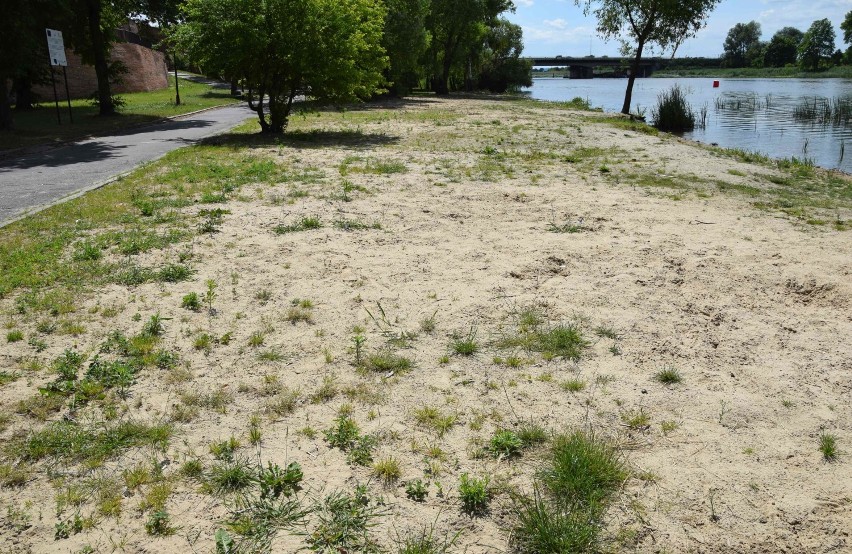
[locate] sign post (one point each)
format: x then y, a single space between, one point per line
56 51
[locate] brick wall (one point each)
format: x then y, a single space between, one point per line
146 71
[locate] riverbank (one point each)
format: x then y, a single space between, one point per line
417 296
837 72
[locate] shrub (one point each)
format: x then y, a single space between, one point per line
672 112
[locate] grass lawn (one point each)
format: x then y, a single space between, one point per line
39 126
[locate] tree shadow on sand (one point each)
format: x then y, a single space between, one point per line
319 138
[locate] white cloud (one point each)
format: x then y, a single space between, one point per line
556 23
525 3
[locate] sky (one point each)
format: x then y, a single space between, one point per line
558 27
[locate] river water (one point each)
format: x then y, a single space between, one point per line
752 114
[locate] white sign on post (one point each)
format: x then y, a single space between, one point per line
56 47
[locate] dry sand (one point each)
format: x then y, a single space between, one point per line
752 307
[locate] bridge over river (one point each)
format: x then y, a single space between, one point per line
583 68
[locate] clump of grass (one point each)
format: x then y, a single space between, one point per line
326 391
425 542
283 402
505 443
191 301
346 435
636 419
474 494
307 223
388 470
828 447
434 419
300 310
417 490
386 361
572 493
343 522
565 340
231 476
672 112
466 345
14 335
668 376
70 440
573 385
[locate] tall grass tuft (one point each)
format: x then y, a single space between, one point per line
825 111
566 512
672 112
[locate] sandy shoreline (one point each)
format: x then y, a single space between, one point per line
751 306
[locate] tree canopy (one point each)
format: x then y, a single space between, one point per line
641 24
817 45
328 50
783 47
742 44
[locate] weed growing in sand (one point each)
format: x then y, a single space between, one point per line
300 310
256 339
388 470
385 361
571 496
668 426
425 542
636 419
428 324
230 476
828 447
355 225
606 331
532 434
417 490
326 391
14 336
465 345
434 419
505 444
573 385
668 376
283 402
565 340
307 223
159 524
343 523
346 435
474 494
191 301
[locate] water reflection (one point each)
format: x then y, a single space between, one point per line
763 115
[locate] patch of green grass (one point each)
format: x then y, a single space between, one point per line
465 345
505 443
573 385
417 490
343 522
388 470
386 361
567 509
355 225
306 223
828 447
636 419
14 336
91 444
668 376
566 341
231 476
474 494
434 419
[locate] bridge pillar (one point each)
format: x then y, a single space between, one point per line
581 72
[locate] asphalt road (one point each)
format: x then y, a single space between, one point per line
33 181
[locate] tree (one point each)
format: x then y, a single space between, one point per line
783 47
405 41
846 27
817 45
502 67
458 28
663 24
23 48
329 50
741 39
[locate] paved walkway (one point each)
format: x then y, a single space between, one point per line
33 181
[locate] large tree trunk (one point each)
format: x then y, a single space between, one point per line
5 109
23 94
100 48
634 70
